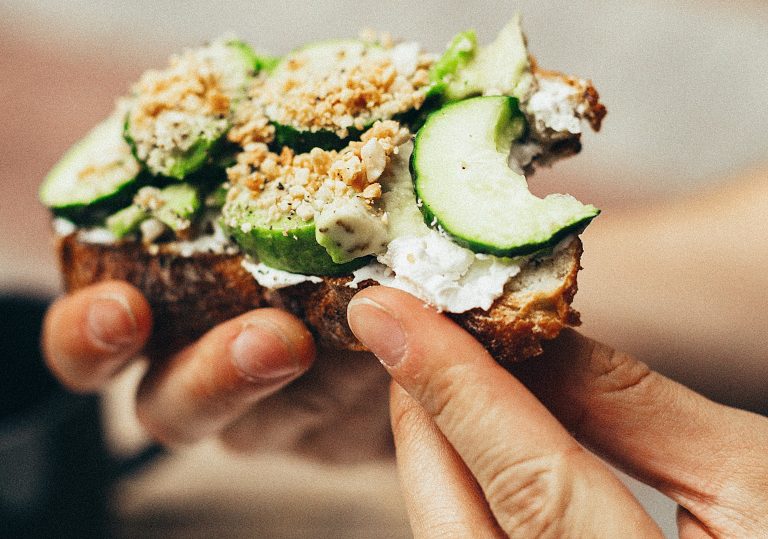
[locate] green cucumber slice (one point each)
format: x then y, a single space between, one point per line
99 174
320 57
175 206
303 140
288 244
126 221
317 60
457 55
192 140
180 204
466 187
500 68
252 59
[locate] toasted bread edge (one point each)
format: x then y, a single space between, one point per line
190 295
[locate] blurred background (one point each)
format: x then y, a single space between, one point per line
684 82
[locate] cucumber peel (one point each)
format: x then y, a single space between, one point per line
302 141
126 221
500 68
462 177
96 176
288 244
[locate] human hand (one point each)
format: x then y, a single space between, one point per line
480 456
256 381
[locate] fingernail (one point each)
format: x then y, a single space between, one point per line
377 329
111 323
262 352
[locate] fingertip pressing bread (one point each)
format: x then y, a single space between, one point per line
191 294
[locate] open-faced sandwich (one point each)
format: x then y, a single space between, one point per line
232 180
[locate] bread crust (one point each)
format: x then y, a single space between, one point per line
191 294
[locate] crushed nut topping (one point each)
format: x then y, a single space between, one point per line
149 199
190 100
363 84
300 184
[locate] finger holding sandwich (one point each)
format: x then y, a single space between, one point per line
91 334
534 476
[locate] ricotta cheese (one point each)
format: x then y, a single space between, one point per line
555 106
274 278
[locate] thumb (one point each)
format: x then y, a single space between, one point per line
535 477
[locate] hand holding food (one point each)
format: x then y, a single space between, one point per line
93 333
481 456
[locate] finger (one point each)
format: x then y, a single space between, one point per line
535 477
441 496
707 457
689 527
215 380
90 334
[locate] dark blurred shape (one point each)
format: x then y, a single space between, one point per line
54 471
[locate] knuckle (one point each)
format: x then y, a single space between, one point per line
529 497
618 372
439 390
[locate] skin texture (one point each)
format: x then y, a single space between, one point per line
89 335
507 449
681 283
249 392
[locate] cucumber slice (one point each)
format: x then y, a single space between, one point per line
175 206
97 175
466 187
317 61
501 68
321 57
253 60
347 229
176 143
303 140
457 55
288 244
179 205
126 221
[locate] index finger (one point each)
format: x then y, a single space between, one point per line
90 334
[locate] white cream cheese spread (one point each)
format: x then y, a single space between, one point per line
274 278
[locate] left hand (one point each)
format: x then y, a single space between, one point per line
480 456
253 381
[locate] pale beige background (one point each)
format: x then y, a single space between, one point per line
684 81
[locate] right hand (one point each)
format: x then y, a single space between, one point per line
480 454
234 382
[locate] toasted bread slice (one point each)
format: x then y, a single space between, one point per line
191 294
